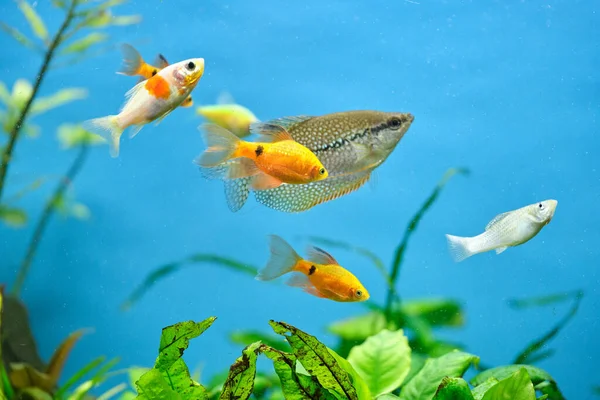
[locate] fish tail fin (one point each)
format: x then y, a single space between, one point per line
221 145
132 61
283 260
459 248
109 128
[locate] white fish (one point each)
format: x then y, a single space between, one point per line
508 229
150 100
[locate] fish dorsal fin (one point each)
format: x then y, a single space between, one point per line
496 219
225 98
285 122
274 133
320 256
160 61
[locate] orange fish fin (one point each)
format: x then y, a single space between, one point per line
158 87
188 102
243 168
320 256
132 61
302 281
161 61
263 181
283 260
274 133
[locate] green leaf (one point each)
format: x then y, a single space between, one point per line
178 376
124 20
83 44
166 270
240 382
35 22
516 387
11 216
18 36
359 328
540 378
453 389
134 374
73 135
58 99
480 390
388 396
99 19
362 389
540 301
317 360
425 383
175 339
92 365
151 385
21 92
382 360
294 386
437 312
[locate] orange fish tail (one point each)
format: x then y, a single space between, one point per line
283 260
132 61
221 144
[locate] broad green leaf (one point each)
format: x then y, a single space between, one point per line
175 339
152 385
453 389
83 44
417 361
124 20
240 382
359 328
18 36
362 389
73 135
388 396
12 216
516 387
425 383
437 312
35 22
63 96
382 360
294 386
540 378
480 390
317 360
100 19
134 373
21 92
178 377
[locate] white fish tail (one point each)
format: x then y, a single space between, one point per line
459 247
109 128
220 143
283 259
132 60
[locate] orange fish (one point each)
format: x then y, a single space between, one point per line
150 100
134 64
276 160
320 275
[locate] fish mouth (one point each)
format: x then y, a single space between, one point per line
193 78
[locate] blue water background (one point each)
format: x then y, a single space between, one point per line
507 89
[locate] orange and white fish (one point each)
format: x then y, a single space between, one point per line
134 64
319 275
279 159
149 100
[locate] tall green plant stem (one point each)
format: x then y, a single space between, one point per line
16 129
45 218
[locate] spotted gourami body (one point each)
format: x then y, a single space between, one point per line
134 65
508 229
349 144
149 100
319 275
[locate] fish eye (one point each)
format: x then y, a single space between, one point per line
359 293
395 123
322 171
541 206
191 66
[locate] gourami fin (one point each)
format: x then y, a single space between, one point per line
320 256
236 193
361 151
458 247
501 249
262 181
283 259
496 219
132 61
109 128
243 168
285 122
274 133
221 145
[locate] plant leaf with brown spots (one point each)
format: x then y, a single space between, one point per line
175 339
240 382
317 360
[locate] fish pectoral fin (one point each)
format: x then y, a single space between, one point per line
496 219
300 280
225 98
135 130
263 181
274 133
501 249
361 151
159 119
242 168
320 256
